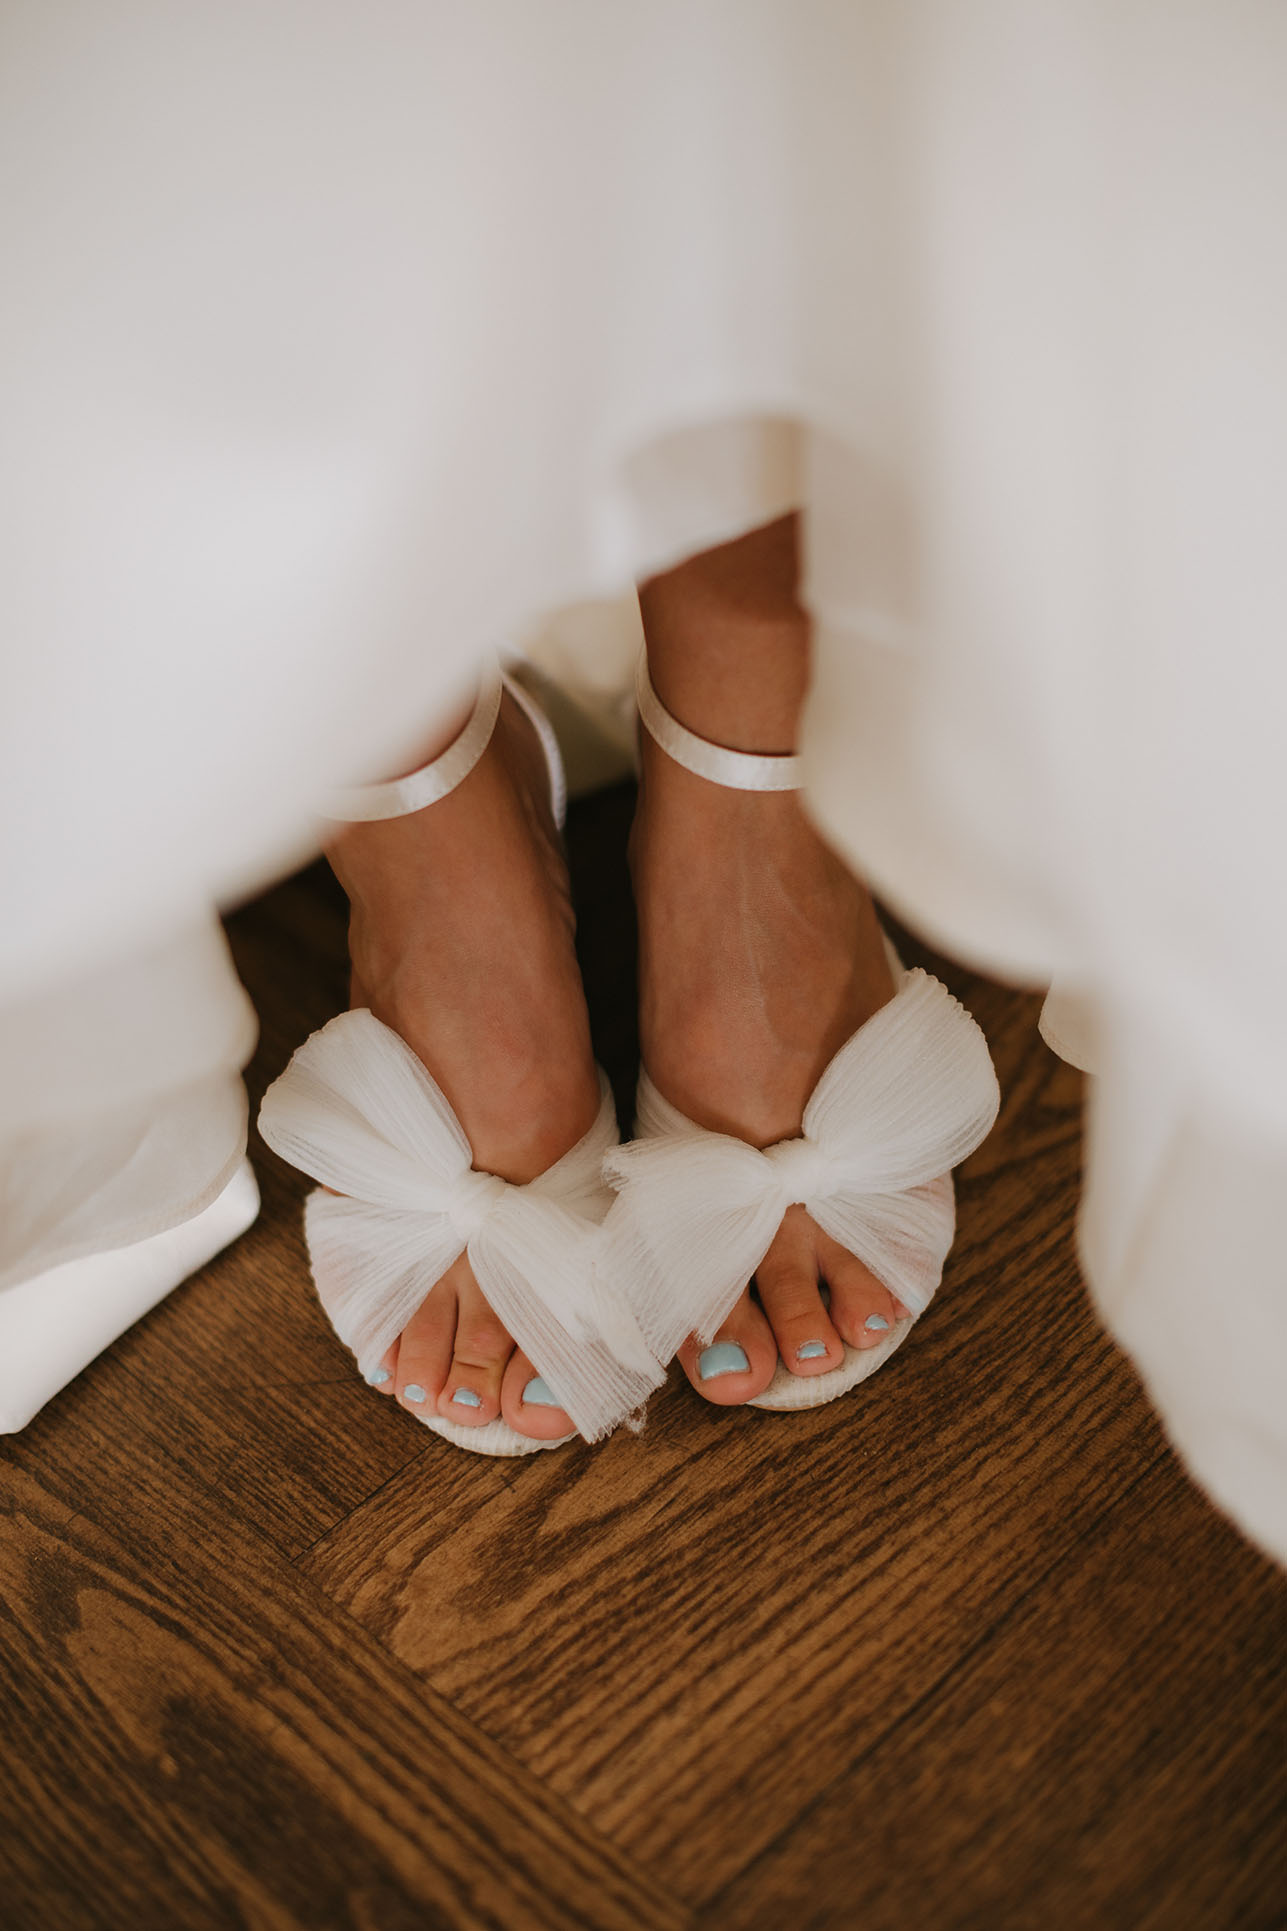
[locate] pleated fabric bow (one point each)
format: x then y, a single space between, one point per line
358 1111
903 1101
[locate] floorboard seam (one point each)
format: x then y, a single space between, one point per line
554 1806
416 1685
297 1554
306 1549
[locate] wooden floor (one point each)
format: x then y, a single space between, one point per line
965 1649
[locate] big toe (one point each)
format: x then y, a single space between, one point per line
530 1404
738 1363
385 1376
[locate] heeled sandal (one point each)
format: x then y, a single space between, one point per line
908 1096
400 1198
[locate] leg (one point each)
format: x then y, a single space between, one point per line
760 953
461 940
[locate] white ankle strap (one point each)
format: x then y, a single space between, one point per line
739 770
362 804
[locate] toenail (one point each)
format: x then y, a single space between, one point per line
724 1358
378 1377
876 1322
811 1351
537 1394
466 1398
413 1392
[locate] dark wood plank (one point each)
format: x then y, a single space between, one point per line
1109 1753
193 1738
238 1381
125 1448
771 1662
684 1632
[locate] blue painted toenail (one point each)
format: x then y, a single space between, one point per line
724 1358
537 1394
466 1398
876 1322
811 1351
413 1392
378 1377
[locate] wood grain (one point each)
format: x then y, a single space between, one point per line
1107 1753
749 1577
962 1649
193 1737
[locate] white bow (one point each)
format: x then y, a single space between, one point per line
357 1110
903 1101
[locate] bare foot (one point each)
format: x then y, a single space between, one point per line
760 952
461 938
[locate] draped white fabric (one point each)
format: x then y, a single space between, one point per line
121 1110
903 1101
356 1109
340 343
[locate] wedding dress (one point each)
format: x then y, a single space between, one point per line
341 343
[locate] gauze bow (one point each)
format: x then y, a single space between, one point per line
903 1101
356 1109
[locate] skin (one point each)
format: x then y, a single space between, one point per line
759 956
760 953
484 985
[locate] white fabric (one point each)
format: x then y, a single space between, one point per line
903 1101
53 1325
121 1110
342 342
357 1110
115 1178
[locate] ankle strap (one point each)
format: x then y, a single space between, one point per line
738 770
362 804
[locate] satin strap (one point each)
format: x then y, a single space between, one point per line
363 804
738 770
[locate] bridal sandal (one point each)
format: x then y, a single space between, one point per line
400 1198
903 1102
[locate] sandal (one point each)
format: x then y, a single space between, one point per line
903 1101
400 1198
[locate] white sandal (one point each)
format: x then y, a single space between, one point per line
400 1199
903 1101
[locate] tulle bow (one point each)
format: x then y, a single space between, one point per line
358 1111
907 1098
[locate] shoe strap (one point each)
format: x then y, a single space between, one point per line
738 770
362 804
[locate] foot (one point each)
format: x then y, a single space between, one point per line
461 938
760 955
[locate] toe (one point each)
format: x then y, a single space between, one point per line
862 1308
384 1378
471 1389
787 1279
423 1353
530 1405
738 1363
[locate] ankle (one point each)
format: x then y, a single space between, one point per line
728 642
747 697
